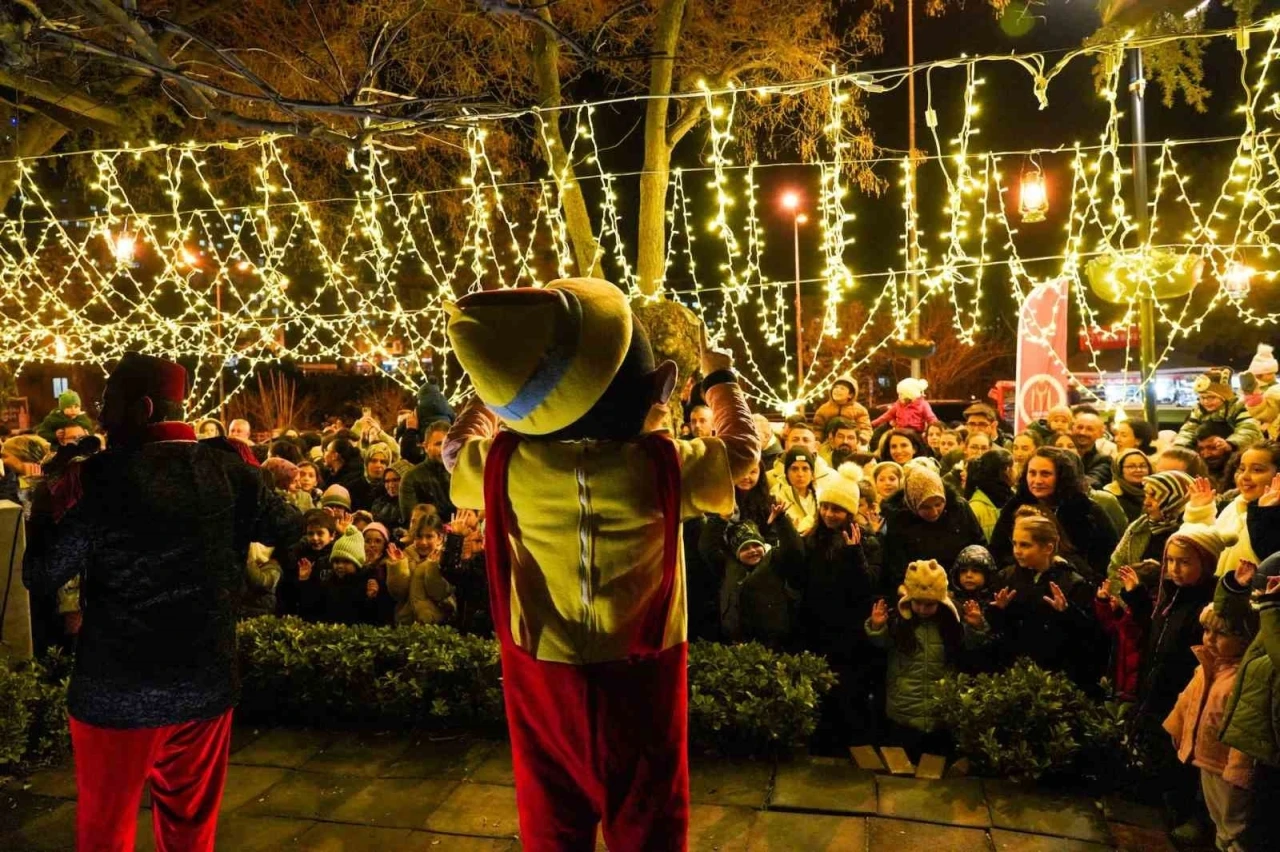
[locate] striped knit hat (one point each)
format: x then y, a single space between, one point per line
1170 490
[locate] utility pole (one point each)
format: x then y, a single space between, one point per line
1147 307
796 221
913 281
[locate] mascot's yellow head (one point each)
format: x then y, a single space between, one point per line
564 361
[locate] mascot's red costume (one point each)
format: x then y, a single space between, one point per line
583 507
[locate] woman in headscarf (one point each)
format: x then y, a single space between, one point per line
1164 499
1128 471
928 520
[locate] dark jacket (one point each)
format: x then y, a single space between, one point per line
1172 627
1252 720
351 477
836 591
1069 642
756 605
1089 532
908 537
428 482
332 599
1097 468
159 537
287 592
470 581
386 510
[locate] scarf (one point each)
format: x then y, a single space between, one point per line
1118 485
1170 490
921 484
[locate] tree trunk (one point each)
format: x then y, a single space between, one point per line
546 64
651 239
37 134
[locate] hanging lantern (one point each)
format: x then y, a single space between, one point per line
124 246
1236 280
1117 277
1033 196
59 349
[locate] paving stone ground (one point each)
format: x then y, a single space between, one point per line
343 792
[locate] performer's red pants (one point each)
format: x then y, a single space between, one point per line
186 765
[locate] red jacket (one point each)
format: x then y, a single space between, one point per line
1126 647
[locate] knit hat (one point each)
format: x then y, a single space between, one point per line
975 557
31 449
911 389
1264 361
379 527
926 462
349 546
336 495
742 534
1231 615
400 467
282 472
1171 490
1217 381
924 581
897 468
68 399
379 447
1206 540
921 484
848 382
137 375
841 487
798 454
541 358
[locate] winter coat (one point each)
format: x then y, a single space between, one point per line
1138 544
351 477
854 412
1092 537
470 580
913 675
1252 720
985 511
159 536
908 537
261 577
393 590
755 603
1197 717
431 598
1244 429
1240 518
1097 468
386 511
428 482
1110 506
1172 627
55 420
287 591
917 415
1069 642
335 599
1129 503
836 590
1126 648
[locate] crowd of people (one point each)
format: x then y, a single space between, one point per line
1136 563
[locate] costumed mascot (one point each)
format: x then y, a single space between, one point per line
583 506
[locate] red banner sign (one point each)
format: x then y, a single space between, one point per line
1042 352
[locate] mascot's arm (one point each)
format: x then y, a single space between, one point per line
474 422
731 417
465 448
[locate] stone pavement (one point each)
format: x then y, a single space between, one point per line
405 792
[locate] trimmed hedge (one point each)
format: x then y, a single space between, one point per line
743 699
33 712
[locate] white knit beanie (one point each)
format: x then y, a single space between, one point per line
840 488
1264 361
1208 539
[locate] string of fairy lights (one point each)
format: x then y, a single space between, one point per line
250 283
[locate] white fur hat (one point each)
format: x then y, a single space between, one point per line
1264 361
910 389
840 487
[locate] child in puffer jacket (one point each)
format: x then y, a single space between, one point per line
971 578
911 411
1196 720
1126 632
842 401
755 603
923 642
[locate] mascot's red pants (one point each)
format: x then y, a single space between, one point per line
186 765
598 743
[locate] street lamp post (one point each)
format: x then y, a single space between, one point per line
913 280
791 202
1147 311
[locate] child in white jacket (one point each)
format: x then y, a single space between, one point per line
1258 467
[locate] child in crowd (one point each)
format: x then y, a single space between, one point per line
971 576
1125 632
309 481
431 597
1197 717
755 603
1042 608
842 402
1218 401
319 532
361 518
911 410
1172 627
1262 392
923 642
65 414
871 522
384 561
336 500
462 564
348 594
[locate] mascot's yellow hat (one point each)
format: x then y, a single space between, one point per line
541 357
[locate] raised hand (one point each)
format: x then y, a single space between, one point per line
371 588
852 536
304 570
1202 493
1129 578
1057 600
776 510
879 614
1272 495
1104 594
711 360
973 615
1244 572
464 522
394 553
874 521
1273 585
1003 598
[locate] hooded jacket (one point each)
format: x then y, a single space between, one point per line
1252 720
1244 429
1172 627
853 411
1196 720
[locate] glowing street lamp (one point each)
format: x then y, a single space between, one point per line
124 246
791 203
1033 196
1236 279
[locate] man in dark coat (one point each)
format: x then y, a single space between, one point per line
428 482
345 466
158 529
